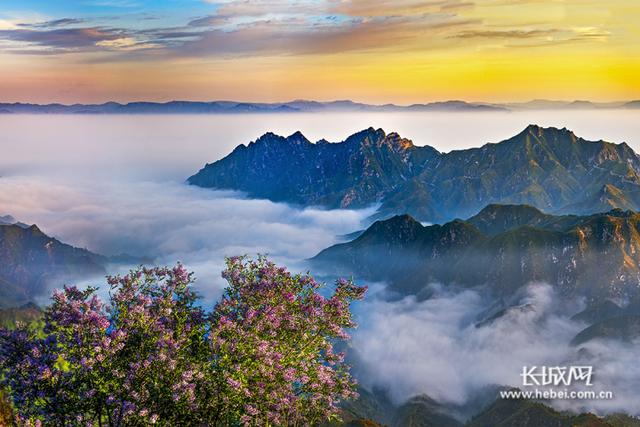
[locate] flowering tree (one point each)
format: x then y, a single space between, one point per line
272 340
126 364
153 356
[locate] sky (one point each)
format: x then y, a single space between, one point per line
400 51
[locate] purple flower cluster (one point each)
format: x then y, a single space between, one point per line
273 336
152 356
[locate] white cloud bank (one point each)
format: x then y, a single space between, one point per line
434 347
407 346
171 222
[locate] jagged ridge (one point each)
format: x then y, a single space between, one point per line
549 168
597 256
30 261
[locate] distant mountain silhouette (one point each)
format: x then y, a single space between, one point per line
235 107
232 107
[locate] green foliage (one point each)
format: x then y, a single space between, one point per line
26 314
6 410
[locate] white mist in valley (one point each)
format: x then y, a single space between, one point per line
440 347
170 222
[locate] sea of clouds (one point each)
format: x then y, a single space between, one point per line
116 185
171 221
405 346
441 347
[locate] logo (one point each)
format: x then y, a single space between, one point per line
557 382
556 375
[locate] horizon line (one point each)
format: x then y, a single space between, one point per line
331 101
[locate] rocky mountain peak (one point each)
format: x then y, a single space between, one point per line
298 138
397 143
369 136
399 227
547 168
594 256
551 133
267 138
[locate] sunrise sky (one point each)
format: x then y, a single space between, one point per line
400 51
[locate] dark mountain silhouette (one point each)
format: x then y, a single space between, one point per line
548 168
506 247
374 409
32 262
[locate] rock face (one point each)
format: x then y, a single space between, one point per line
31 261
548 168
597 256
354 173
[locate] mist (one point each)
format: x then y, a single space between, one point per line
440 347
173 147
170 222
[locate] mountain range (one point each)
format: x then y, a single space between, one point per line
374 409
595 256
297 106
544 205
549 168
32 262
